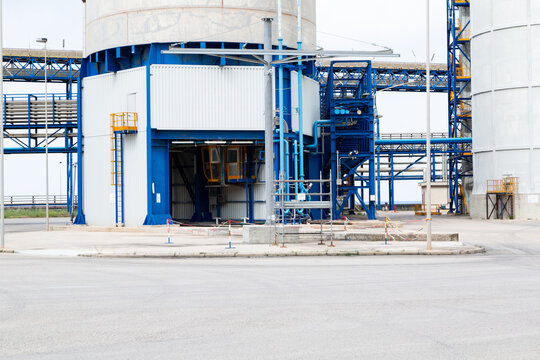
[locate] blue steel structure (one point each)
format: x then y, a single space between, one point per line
348 105
23 65
352 86
415 148
459 98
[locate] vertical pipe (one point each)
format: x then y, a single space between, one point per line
281 96
269 124
2 243
378 169
300 96
391 187
428 127
296 154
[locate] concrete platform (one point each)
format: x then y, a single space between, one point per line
153 244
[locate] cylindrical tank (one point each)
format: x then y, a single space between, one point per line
118 23
506 100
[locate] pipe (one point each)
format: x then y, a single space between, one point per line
269 125
423 141
300 94
281 95
317 124
296 166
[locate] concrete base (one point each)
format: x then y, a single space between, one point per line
264 234
527 207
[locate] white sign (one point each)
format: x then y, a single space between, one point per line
302 197
158 198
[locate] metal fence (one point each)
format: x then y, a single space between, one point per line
36 200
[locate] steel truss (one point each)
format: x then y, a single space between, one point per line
459 95
348 103
394 78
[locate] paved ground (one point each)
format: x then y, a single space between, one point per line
214 242
25 225
451 307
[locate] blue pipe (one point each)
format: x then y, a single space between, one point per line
318 123
423 141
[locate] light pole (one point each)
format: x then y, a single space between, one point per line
428 130
60 178
44 42
2 244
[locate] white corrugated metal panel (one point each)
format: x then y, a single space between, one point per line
110 24
506 103
207 97
311 99
103 95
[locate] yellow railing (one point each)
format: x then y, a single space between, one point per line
508 185
464 110
463 72
125 122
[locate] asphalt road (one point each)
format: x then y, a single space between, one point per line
460 307
28 225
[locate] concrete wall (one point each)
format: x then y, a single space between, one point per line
115 23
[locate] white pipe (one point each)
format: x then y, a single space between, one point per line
281 98
300 95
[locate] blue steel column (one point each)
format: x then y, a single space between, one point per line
391 183
334 174
378 168
149 195
80 219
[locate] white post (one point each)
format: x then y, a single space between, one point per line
428 126
44 42
2 244
60 179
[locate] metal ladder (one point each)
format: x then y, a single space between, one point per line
117 175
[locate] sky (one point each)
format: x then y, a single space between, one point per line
397 24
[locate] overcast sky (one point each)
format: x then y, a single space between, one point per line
394 23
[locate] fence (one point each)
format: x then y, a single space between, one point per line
36 200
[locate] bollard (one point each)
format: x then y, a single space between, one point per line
169 231
385 231
346 227
230 236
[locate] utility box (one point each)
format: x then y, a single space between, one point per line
439 193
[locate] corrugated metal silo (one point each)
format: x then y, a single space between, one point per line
506 100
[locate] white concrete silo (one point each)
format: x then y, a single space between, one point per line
111 24
506 100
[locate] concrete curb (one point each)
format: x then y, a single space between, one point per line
203 255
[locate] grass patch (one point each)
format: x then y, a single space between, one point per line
19 213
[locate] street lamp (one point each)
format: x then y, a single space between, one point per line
2 244
428 129
44 42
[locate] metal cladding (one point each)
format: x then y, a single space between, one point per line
506 100
111 24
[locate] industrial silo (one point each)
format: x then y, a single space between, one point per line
506 106
193 147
